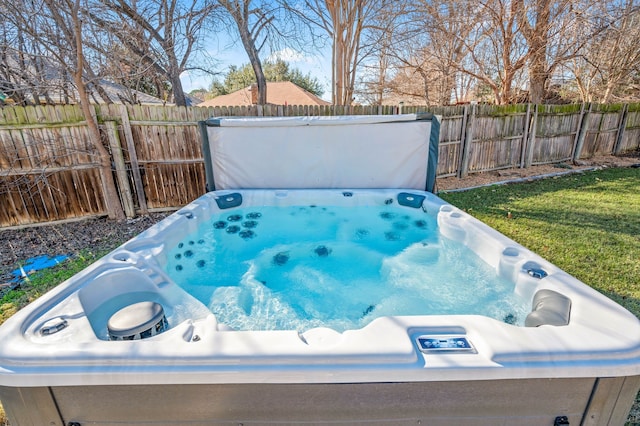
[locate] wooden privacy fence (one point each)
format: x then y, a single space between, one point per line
48 168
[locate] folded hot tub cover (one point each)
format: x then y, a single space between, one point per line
379 151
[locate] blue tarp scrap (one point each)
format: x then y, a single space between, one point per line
35 264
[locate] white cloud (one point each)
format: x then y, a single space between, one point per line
317 65
290 55
192 81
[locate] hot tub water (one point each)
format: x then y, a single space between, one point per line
300 267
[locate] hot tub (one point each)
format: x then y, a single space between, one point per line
74 357
410 312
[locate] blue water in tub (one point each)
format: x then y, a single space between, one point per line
299 267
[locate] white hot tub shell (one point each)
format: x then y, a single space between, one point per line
55 370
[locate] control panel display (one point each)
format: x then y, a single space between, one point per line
445 344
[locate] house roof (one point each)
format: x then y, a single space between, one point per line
278 93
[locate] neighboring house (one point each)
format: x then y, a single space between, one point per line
41 81
278 93
121 94
117 93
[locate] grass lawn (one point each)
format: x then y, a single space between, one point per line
586 224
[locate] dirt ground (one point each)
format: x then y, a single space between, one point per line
100 234
95 235
478 179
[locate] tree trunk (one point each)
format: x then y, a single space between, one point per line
179 97
537 82
347 21
337 54
241 17
256 64
538 38
111 199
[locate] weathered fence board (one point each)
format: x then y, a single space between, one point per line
497 140
556 130
48 167
602 129
58 196
630 135
115 148
163 152
451 139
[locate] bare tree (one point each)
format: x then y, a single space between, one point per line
162 34
543 24
253 21
462 37
387 32
375 79
134 75
496 50
609 64
430 45
29 73
441 47
266 25
345 22
69 21
499 43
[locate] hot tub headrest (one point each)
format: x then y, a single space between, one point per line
549 308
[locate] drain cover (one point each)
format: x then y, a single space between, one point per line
137 321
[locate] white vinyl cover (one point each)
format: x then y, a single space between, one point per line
320 152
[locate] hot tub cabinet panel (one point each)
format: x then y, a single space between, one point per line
532 402
577 356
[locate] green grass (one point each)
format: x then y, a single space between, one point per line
586 224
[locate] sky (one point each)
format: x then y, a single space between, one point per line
319 66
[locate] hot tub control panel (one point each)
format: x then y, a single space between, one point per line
445 344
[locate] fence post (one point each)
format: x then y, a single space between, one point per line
580 135
531 143
620 134
463 131
463 171
525 137
121 170
133 157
